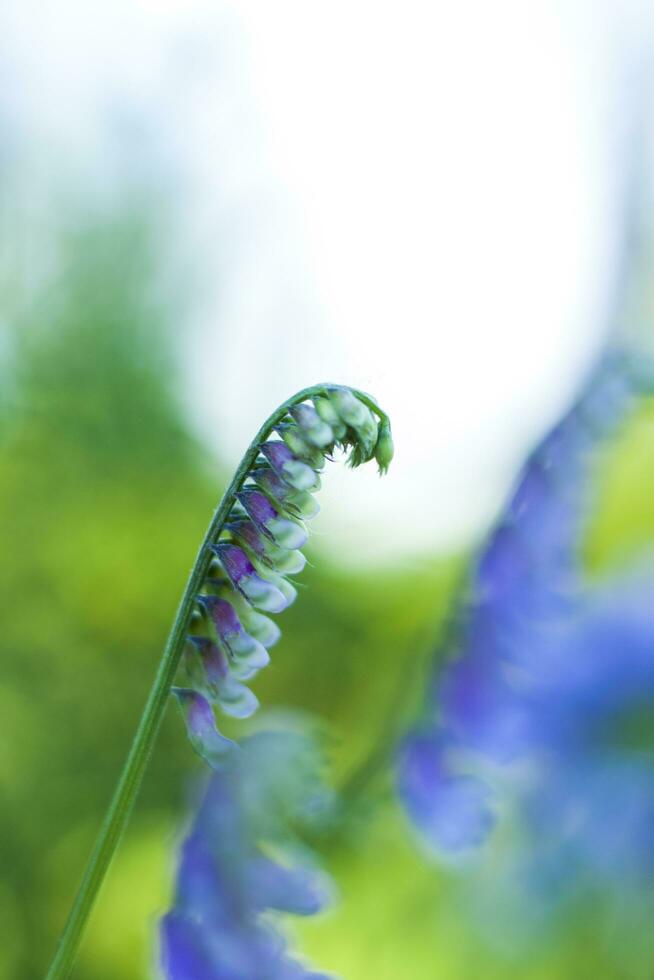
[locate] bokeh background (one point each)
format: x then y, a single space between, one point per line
206 206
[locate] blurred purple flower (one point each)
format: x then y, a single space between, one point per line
546 699
230 891
450 810
592 730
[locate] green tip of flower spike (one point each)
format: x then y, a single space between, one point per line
384 449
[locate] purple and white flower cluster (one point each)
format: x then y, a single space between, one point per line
258 549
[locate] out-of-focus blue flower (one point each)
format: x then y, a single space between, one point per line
546 701
448 808
240 866
592 732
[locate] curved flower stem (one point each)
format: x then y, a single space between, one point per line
130 779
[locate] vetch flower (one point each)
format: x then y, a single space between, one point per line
292 470
318 433
201 726
327 412
213 677
300 445
286 533
258 546
241 573
298 503
221 637
244 652
262 549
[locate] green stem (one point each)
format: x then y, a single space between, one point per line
130 779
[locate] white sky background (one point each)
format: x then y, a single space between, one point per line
420 199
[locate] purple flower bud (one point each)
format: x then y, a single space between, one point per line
223 616
278 454
244 578
297 443
280 559
247 654
285 533
298 503
235 562
261 627
291 469
213 660
201 725
232 697
247 535
317 432
272 485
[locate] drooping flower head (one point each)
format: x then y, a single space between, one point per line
258 548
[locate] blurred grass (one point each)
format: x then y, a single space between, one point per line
104 495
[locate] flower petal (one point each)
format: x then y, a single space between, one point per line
201 726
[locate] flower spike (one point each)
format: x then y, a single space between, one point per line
258 543
252 543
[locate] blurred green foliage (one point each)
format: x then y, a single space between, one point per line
104 496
